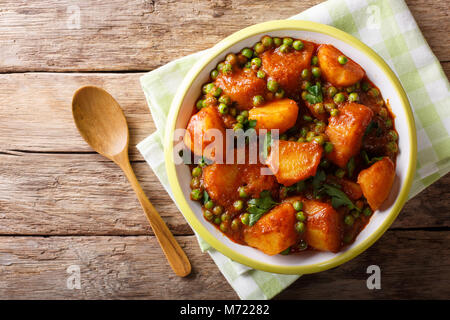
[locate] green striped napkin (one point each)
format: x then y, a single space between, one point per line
388 27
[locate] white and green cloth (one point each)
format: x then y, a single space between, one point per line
388 27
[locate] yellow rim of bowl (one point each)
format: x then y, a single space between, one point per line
219 49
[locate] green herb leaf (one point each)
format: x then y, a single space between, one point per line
258 206
251 123
338 197
318 179
205 197
370 161
351 166
314 94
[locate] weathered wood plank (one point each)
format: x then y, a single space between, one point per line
414 264
36 111
143 35
57 194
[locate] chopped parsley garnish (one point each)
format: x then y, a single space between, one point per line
258 206
314 94
338 197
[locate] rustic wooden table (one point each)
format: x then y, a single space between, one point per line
61 204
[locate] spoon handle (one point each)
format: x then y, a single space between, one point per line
174 254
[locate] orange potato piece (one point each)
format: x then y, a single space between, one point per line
275 231
286 68
276 114
296 161
241 85
351 189
339 75
222 181
198 136
346 132
376 182
324 225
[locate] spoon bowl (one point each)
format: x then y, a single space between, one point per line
102 123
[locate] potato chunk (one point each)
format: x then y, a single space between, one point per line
294 161
276 114
200 134
346 132
286 68
340 75
376 182
222 181
275 231
241 85
324 225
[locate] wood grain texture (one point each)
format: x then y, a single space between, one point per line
134 267
145 34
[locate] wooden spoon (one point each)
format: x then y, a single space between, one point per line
101 122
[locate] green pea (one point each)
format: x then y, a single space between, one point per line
320 127
288 41
285 252
389 123
233 112
314 60
367 211
316 72
300 227
217 220
310 136
355 214
256 62
247 52
302 245
332 91
235 224
393 135
319 139
392 147
300 216
195 183
306 74
225 217
200 104
245 219
298 45
328 147
242 192
319 108
238 205
223 108
227 68
223 227
350 89
298 205
259 48
197 172
334 112
238 126
258 100
339 173
272 85
196 194
349 220
342 59
225 99
244 113
301 139
307 118
383 113
277 41
284 48
374 92
207 87
220 66
261 74
209 204
248 65
217 210
208 215
339 98
214 74
303 131
279 94
267 41
352 97
240 119
365 86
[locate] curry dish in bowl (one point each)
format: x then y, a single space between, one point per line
329 147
